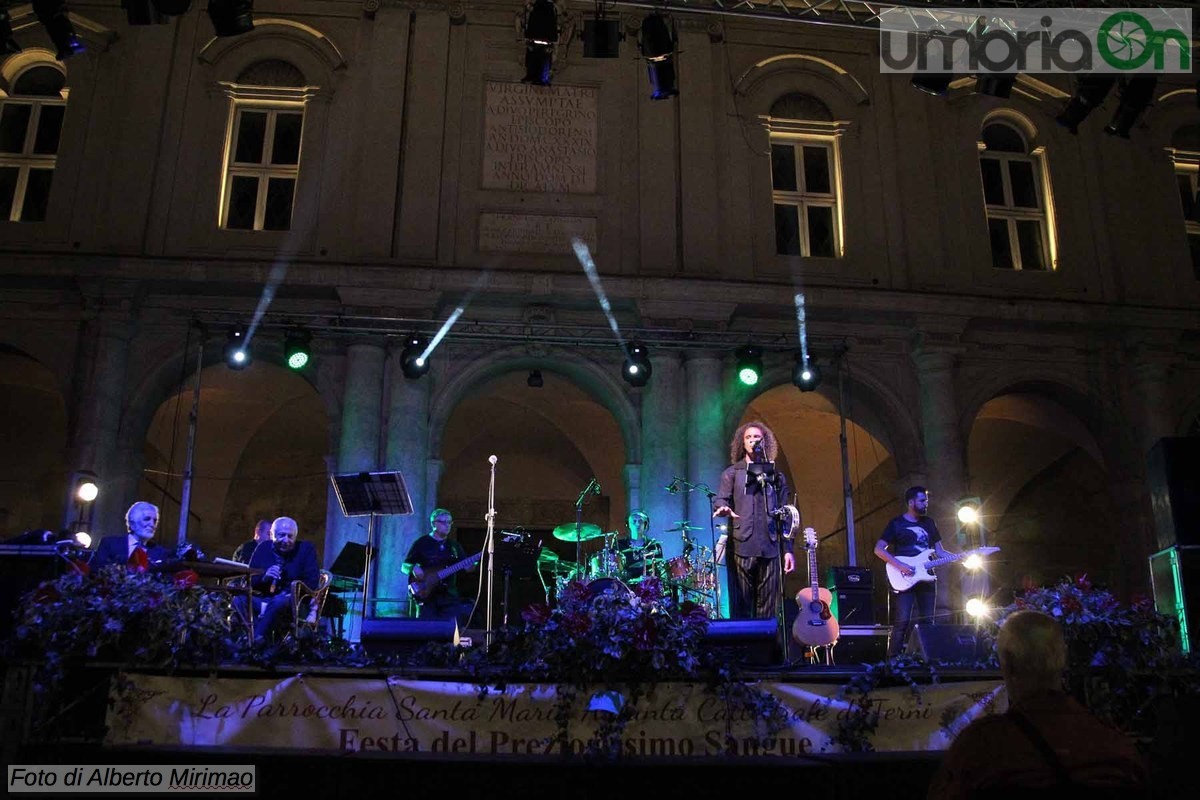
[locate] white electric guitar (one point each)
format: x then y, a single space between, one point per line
923 564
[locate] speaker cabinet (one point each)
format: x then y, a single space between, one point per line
861 644
1173 477
403 637
753 642
950 644
853 606
1175 579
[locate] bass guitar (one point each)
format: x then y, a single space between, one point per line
923 564
421 589
814 625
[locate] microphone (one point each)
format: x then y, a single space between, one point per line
672 487
595 486
272 585
492 460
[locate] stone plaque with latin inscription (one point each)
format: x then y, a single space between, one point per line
533 233
539 138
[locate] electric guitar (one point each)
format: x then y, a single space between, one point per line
814 625
923 563
423 588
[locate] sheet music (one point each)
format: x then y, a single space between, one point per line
229 561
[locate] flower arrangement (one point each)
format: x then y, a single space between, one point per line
619 641
1121 657
121 615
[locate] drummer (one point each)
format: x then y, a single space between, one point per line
636 546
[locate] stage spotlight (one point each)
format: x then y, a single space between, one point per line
83 539
231 17
1136 94
1090 91
934 83
977 608
973 562
297 348
87 490
237 354
636 369
53 16
601 36
658 48
143 12
534 381
995 85
541 34
8 42
749 364
412 361
805 374
968 514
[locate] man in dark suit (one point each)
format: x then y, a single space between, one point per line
284 560
262 533
132 549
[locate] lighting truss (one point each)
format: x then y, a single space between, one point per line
852 14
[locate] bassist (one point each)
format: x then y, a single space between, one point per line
910 534
433 552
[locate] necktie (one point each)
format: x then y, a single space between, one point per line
138 560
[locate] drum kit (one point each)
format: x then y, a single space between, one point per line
621 563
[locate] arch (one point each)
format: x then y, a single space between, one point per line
887 419
1022 123
16 65
600 382
779 75
305 47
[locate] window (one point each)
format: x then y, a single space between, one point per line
1014 194
805 178
1185 152
262 161
31 120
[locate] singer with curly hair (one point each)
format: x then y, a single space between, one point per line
751 493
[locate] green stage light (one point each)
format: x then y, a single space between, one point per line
296 348
749 364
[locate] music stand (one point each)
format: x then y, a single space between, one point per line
371 494
516 554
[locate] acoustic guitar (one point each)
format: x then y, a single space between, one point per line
423 588
814 625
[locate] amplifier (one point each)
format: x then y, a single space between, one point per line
849 578
861 644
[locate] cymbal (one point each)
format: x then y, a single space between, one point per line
566 533
547 556
562 568
685 525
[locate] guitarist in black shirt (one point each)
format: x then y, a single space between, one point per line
428 560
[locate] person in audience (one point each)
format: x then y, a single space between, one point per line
1046 740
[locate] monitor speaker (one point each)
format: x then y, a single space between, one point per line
950 644
403 637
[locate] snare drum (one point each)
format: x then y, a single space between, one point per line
679 568
606 564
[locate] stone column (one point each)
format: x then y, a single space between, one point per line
706 440
98 405
1149 390
358 443
664 442
944 456
407 451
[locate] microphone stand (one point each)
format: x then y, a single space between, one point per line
591 487
712 532
490 542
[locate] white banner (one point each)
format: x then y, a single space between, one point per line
390 714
